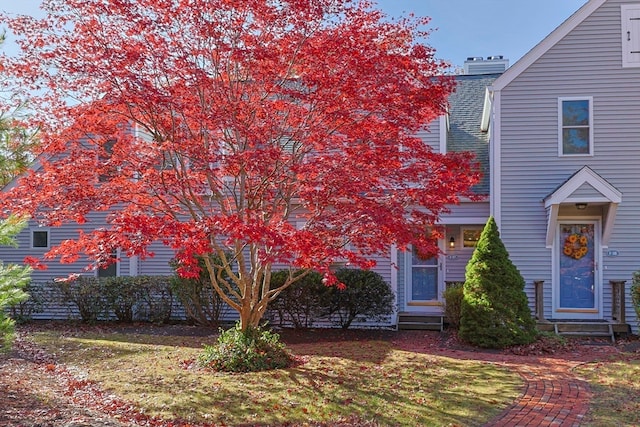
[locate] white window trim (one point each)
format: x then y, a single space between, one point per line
560 126
40 229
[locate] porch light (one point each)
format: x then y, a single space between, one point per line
581 206
452 242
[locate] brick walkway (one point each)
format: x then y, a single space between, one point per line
551 397
552 394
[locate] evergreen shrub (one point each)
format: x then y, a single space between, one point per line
302 303
366 296
202 304
255 349
453 295
495 311
635 294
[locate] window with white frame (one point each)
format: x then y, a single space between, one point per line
575 126
40 238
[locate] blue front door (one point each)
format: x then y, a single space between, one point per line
577 290
424 278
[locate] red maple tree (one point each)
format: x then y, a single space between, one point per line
252 133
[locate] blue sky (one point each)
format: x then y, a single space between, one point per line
463 27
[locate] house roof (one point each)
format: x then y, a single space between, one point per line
547 43
601 192
564 192
465 130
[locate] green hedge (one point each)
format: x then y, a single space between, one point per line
635 294
202 304
128 298
301 304
453 295
366 296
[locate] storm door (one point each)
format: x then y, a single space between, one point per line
577 292
424 284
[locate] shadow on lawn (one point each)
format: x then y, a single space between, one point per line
412 393
359 345
352 373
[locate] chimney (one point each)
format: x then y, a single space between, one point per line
491 65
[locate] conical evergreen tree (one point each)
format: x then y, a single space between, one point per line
13 279
495 311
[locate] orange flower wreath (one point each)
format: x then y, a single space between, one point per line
575 246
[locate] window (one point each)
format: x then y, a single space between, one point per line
575 126
470 237
630 35
110 270
40 238
105 161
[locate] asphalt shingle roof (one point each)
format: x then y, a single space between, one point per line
465 115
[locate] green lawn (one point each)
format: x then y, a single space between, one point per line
616 388
350 379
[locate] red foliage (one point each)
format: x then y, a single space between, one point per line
285 128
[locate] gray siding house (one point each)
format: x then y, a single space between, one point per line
565 157
420 282
558 138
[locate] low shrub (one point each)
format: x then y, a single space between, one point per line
301 304
202 304
122 296
128 298
156 299
253 350
366 296
635 294
23 311
453 295
88 295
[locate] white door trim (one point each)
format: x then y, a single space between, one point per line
595 313
432 306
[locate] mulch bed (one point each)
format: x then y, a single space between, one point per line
37 392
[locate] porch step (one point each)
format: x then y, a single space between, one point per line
415 321
585 330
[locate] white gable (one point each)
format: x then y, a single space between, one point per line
572 191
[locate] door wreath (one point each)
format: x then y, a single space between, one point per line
575 246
